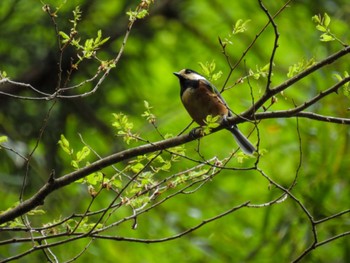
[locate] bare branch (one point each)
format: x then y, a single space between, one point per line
275 44
318 117
204 222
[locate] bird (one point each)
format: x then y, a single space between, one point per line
200 98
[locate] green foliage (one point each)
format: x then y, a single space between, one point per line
134 15
141 10
346 87
150 117
64 143
77 159
3 74
208 70
211 122
3 139
76 17
259 72
323 25
300 66
239 27
89 48
92 179
124 127
189 185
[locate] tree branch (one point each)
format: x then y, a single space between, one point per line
269 93
204 222
55 184
297 111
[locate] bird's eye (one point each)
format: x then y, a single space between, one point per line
188 71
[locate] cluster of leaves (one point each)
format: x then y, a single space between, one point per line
137 178
300 66
78 158
140 12
89 48
346 87
239 27
208 70
150 117
211 122
323 25
259 72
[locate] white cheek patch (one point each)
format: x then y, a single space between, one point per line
194 76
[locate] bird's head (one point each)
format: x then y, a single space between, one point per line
188 74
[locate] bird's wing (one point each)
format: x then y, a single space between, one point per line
212 89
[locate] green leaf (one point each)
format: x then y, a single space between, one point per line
139 201
133 15
316 19
117 183
81 155
212 122
300 66
327 20
208 70
75 164
3 74
146 104
265 68
338 76
3 139
166 166
63 35
143 13
217 75
326 37
321 28
346 89
36 212
205 68
240 26
136 168
64 143
94 178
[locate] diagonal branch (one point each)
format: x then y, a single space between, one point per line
297 111
270 93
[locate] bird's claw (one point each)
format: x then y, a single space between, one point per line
225 122
196 132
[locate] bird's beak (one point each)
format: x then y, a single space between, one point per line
177 74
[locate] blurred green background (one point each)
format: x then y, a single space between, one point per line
176 35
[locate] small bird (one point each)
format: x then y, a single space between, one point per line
201 99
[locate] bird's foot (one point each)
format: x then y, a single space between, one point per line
197 132
225 122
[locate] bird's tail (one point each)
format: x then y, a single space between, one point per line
242 141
